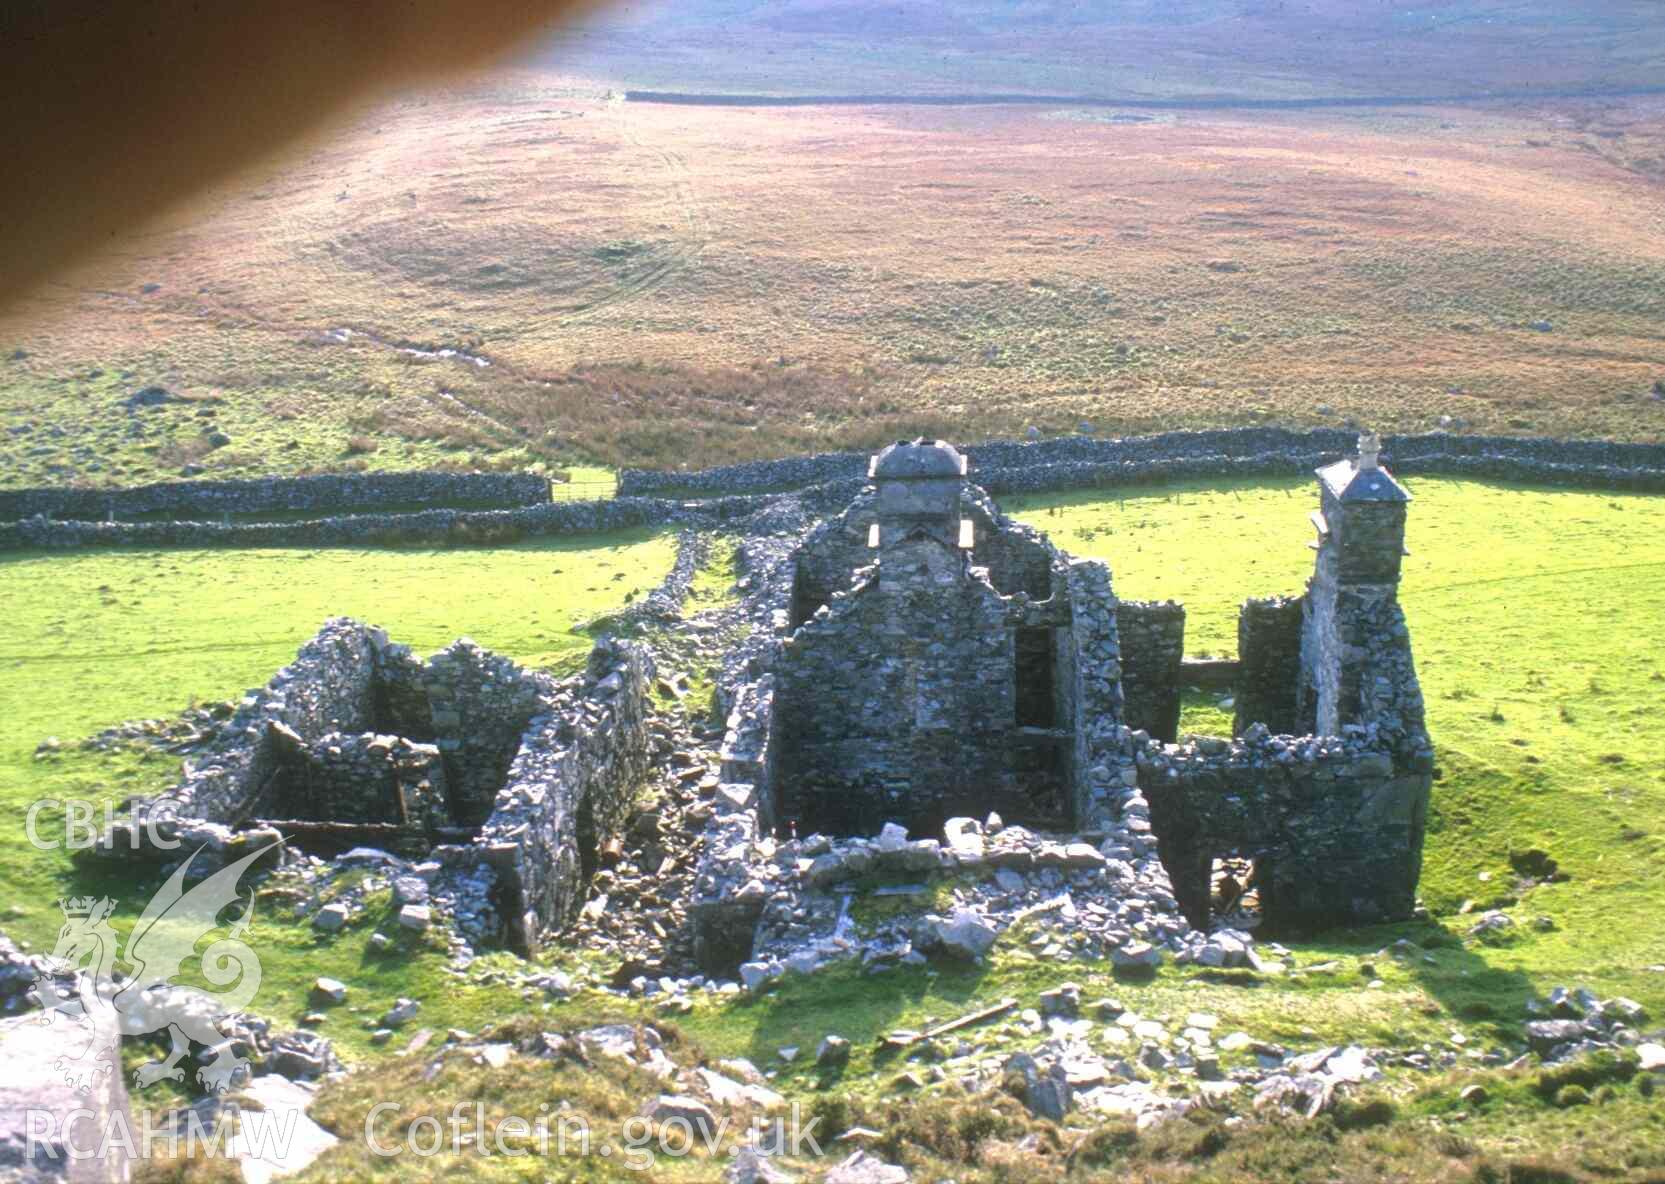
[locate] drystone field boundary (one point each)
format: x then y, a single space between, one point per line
335 493
712 497
1058 463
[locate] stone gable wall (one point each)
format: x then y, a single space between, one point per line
913 670
327 688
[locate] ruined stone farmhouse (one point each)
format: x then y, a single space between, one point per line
915 661
939 660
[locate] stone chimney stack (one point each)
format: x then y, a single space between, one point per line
919 483
1361 518
1354 589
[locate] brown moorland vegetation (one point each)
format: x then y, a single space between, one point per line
639 284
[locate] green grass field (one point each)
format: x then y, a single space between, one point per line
1536 618
97 638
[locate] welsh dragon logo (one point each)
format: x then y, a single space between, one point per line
98 1006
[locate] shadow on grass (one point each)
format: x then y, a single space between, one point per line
862 1008
1459 977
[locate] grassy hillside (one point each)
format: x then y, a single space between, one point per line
633 284
1535 616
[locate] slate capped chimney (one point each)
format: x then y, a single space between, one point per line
919 483
1362 516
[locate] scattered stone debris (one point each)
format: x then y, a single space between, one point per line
752 1167
833 1053
692 1112
863 1168
1569 1023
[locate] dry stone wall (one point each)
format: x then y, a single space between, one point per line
828 481
1103 762
1080 461
332 493
576 774
462 528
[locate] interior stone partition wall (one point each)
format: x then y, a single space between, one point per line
1269 663
1153 650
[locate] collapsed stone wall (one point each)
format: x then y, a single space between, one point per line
274 761
327 688
1268 664
664 603
334 493
1333 825
1153 651
1017 556
748 750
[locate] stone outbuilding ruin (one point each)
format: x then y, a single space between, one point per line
942 661
499 781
